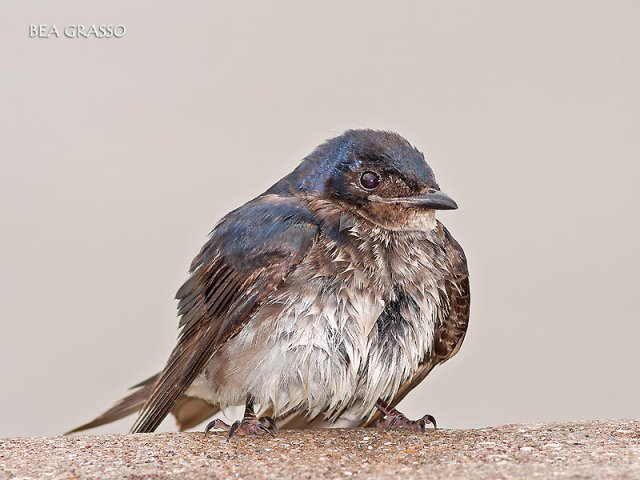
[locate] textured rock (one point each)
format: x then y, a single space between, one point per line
571 450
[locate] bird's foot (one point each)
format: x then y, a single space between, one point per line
395 420
249 425
399 421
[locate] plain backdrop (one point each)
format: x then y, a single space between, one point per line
118 156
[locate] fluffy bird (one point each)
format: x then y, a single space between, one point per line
320 303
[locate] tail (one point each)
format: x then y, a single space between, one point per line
125 407
189 411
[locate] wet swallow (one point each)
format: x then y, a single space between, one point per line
320 303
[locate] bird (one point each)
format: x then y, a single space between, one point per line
320 303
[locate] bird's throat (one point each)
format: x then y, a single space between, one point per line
397 218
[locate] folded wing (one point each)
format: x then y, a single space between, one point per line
248 256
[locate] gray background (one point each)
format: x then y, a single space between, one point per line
118 157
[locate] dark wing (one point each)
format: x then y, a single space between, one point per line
450 334
250 252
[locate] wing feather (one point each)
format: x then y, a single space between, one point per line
249 254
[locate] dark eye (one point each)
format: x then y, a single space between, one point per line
370 180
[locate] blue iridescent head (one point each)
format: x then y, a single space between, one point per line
377 174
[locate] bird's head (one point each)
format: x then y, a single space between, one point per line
377 175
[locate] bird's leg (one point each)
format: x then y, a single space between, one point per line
393 419
249 425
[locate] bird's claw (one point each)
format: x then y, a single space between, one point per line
217 424
247 426
426 420
394 420
397 421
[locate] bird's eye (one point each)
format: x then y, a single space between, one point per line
370 180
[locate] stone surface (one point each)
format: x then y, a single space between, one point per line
571 450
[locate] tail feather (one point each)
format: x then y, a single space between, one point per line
125 407
189 411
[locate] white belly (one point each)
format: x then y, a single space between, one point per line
337 335
320 353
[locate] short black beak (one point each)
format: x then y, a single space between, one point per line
433 199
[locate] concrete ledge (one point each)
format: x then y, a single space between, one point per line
572 450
